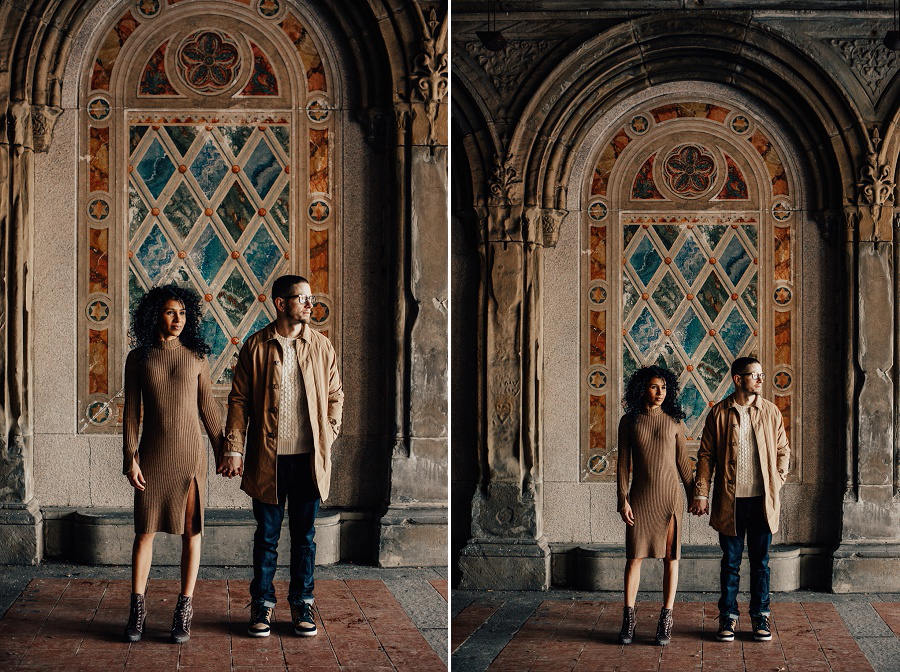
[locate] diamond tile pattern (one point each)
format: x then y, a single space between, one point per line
645 260
155 168
262 255
209 254
155 253
263 168
209 168
236 211
694 331
236 297
210 267
735 260
182 210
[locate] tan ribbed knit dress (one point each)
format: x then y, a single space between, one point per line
174 386
652 450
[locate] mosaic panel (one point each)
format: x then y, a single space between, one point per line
689 110
735 187
598 253
772 161
155 79
689 171
207 200
644 187
318 261
263 81
318 160
598 337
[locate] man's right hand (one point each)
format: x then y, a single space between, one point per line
699 507
231 467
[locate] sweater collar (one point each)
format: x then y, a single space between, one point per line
172 344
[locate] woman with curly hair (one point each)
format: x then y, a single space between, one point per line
167 372
652 452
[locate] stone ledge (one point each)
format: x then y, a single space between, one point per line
413 536
601 567
22 533
866 567
104 536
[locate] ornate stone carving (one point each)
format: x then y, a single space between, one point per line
543 225
429 78
503 177
870 60
875 195
43 121
507 68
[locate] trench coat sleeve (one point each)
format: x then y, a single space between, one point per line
209 409
131 422
706 456
240 402
335 393
623 467
685 467
782 449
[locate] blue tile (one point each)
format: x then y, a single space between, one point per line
712 233
752 233
629 364
155 253
735 260
689 333
182 136
668 295
750 297
667 233
629 296
182 210
209 254
735 332
262 255
213 335
236 211
209 168
283 135
279 212
694 406
713 368
236 297
645 260
262 168
668 359
155 168
137 210
690 259
236 137
645 332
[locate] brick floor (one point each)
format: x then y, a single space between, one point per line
440 585
581 635
74 625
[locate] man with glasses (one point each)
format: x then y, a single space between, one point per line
286 401
745 444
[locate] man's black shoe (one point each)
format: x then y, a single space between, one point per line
727 628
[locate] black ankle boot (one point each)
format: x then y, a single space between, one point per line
181 623
136 618
626 634
664 627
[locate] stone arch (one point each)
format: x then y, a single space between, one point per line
655 50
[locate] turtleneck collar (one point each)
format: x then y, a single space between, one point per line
173 344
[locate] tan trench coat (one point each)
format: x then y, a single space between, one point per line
718 452
253 408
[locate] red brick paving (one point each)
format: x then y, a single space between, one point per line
440 585
57 624
582 636
890 614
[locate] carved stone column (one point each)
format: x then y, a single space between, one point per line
21 523
868 558
414 528
508 550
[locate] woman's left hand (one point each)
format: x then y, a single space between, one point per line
627 514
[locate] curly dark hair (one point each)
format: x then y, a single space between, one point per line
144 331
636 390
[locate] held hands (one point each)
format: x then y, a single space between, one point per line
627 514
231 467
699 507
136 478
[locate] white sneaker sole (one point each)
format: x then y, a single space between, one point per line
258 633
306 633
725 638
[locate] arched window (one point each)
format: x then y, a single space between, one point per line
691 221
209 131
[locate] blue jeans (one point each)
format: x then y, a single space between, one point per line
297 487
749 518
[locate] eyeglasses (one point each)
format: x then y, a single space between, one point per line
755 376
303 298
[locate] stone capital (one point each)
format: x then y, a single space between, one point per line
542 225
43 121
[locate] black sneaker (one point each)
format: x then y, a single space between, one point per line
762 630
302 616
260 620
727 628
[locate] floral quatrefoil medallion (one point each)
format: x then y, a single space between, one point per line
208 62
690 171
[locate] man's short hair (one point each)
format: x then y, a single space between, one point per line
741 364
282 285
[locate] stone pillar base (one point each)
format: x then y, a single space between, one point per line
866 567
505 565
21 533
413 536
